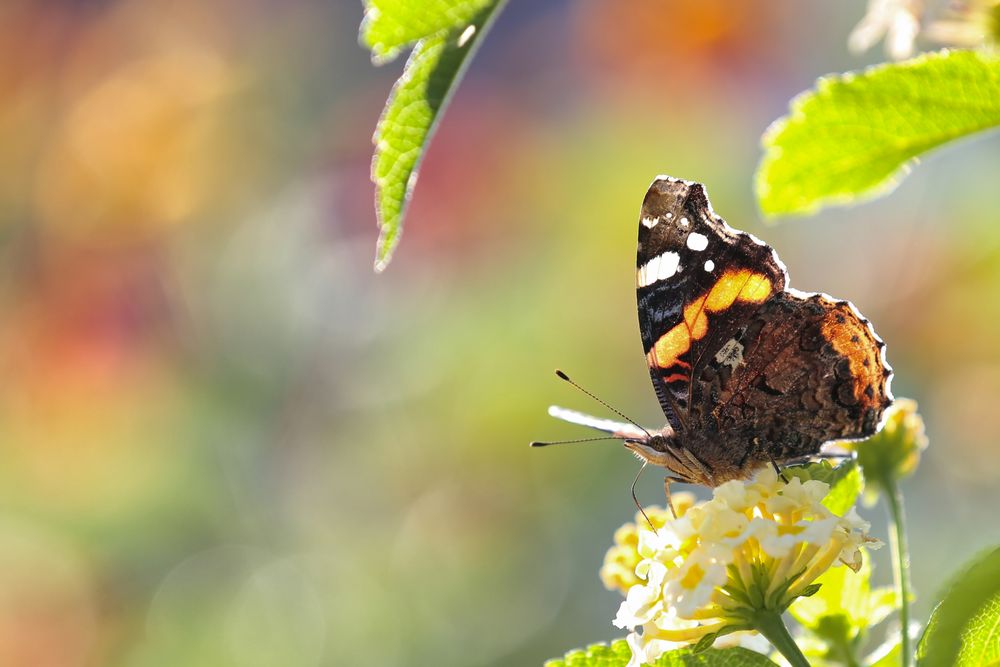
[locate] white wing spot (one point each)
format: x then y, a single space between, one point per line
684 221
697 242
731 354
670 216
650 222
709 266
466 35
659 268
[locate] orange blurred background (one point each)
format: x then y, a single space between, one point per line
225 441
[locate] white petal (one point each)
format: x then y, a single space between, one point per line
634 641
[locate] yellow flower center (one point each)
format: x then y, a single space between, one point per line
693 577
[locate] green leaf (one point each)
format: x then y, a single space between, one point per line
855 135
844 480
964 628
837 618
595 655
889 654
705 643
391 25
618 654
412 112
845 606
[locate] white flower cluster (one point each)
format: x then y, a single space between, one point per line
756 545
898 21
966 23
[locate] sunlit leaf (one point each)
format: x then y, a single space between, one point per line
964 628
844 480
889 654
618 654
391 25
845 606
837 618
855 135
411 114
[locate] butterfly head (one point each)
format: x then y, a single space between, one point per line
661 448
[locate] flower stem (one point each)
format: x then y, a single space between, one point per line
769 624
847 655
900 565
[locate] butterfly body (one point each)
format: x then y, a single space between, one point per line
748 371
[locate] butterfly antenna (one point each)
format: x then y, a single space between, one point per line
618 412
536 443
636 500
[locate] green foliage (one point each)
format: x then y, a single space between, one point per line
844 480
391 25
856 134
839 614
618 655
448 33
595 655
887 655
964 628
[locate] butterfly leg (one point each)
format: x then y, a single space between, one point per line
774 464
694 464
836 457
666 489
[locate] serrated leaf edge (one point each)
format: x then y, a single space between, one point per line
388 238
795 113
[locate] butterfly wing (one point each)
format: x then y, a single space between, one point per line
804 369
697 281
750 369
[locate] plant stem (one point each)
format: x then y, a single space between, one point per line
847 654
900 565
769 624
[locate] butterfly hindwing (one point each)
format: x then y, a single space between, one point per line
804 369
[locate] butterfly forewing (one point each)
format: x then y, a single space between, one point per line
691 267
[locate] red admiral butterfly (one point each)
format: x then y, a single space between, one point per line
747 370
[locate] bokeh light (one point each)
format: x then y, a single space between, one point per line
225 441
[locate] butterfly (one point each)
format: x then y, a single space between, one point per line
748 371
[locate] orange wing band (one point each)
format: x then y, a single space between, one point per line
743 286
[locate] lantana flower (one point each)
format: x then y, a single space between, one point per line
967 23
898 21
894 452
731 564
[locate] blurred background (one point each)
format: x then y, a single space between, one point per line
225 441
